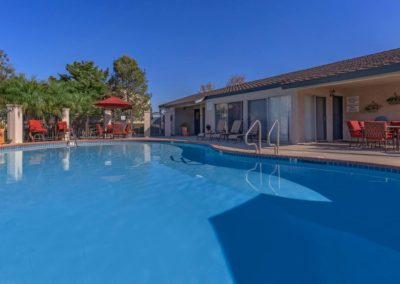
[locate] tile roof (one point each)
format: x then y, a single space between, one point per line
382 62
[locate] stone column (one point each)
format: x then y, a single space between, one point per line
169 122
107 117
65 117
201 120
147 123
15 123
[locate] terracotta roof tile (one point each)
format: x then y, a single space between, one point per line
330 71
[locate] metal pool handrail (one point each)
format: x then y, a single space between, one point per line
258 147
275 145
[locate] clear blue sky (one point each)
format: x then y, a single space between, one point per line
183 44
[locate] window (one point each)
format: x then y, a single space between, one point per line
258 111
228 113
280 108
235 112
221 113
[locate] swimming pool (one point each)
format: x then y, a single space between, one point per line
182 213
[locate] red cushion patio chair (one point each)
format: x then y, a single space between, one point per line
377 131
62 128
128 129
355 131
100 130
117 130
35 129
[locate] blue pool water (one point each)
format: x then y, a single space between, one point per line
181 213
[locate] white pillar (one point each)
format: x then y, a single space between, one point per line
65 115
169 125
15 123
201 120
147 123
107 117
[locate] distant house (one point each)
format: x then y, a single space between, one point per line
311 104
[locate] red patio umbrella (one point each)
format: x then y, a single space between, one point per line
113 103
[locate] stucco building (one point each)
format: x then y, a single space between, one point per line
311 104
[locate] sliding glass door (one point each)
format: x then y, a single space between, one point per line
221 114
257 110
228 113
235 112
280 108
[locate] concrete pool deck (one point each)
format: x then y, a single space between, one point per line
337 152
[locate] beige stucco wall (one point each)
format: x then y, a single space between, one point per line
377 88
366 93
298 127
378 94
184 115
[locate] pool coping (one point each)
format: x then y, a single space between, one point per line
216 147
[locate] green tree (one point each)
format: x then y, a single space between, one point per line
27 92
6 69
129 82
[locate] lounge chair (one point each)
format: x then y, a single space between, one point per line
35 130
219 131
235 134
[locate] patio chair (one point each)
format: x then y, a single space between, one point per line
355 130
235 134
109 131
62 129
35 130
118 131
377 132
219 131
128 129
100 131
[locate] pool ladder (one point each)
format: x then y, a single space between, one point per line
258 146
275 145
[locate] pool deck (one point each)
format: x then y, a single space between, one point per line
336 152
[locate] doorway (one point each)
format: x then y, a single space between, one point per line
196 121
320 118
337 113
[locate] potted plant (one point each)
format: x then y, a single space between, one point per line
394 100
2 131
185 129
208 128
372 107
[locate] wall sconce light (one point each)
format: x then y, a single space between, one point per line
332 93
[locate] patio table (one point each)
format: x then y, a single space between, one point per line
396 130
